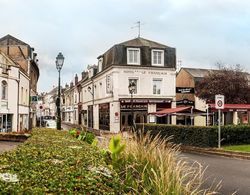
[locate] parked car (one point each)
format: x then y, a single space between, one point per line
50 124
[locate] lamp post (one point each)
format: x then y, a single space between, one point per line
132 88
59 64
91 91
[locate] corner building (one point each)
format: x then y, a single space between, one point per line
106 102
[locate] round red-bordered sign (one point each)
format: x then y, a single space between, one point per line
219 103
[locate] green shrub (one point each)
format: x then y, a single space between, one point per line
199 136
54 162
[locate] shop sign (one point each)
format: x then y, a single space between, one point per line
135 106
185 90
151 101
109 84
185 102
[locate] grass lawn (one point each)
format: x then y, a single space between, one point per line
240 148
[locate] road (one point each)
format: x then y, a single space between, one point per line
233 173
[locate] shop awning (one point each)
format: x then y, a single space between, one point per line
232 107
185 110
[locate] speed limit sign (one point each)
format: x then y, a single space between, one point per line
219 101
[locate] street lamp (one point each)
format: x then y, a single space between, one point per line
91 91
59 64
132 88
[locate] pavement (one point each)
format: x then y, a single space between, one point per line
7 146
234 174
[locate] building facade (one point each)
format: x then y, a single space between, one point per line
14 93
102 100
186 80
24 56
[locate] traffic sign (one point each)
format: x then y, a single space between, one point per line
219 101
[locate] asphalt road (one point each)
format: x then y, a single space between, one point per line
234 174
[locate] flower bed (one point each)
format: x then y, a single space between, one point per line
55 162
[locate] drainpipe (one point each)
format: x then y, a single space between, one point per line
18 84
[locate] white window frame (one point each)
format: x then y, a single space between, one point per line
157 79
139 56
137 84
162 57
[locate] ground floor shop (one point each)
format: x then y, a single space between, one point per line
119 115
6 122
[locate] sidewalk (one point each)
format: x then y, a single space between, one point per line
7 146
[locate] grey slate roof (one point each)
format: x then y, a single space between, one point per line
117 55
139 42
197 72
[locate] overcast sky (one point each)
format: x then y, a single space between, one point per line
203 32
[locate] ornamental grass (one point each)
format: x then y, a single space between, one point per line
154 166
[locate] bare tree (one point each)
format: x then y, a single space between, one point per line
229 81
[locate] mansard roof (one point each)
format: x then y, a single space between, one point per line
140 42
117 54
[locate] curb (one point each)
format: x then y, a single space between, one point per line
14 137
216 151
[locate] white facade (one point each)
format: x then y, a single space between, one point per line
12 101
23 101
112 87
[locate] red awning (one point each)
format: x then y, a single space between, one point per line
171 111
233 107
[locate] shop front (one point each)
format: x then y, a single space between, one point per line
139 109
6 122
104 116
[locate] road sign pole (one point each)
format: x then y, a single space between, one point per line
219 104
219 132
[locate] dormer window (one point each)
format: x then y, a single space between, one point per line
133 56
157 57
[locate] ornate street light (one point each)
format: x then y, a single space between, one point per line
132 88
91 91
59 65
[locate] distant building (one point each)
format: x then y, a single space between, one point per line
186 81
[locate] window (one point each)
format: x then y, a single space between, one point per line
157 86
158 57
21 95
136 83
133 56
75 98
4 90
26 97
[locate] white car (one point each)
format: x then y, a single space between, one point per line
50 124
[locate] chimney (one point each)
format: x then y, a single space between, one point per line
76 79
71 84
66 85
84 74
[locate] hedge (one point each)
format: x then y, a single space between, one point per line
54 162
199 136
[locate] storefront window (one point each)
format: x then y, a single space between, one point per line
5 122
104 118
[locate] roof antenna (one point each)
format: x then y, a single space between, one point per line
139 28
179 64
